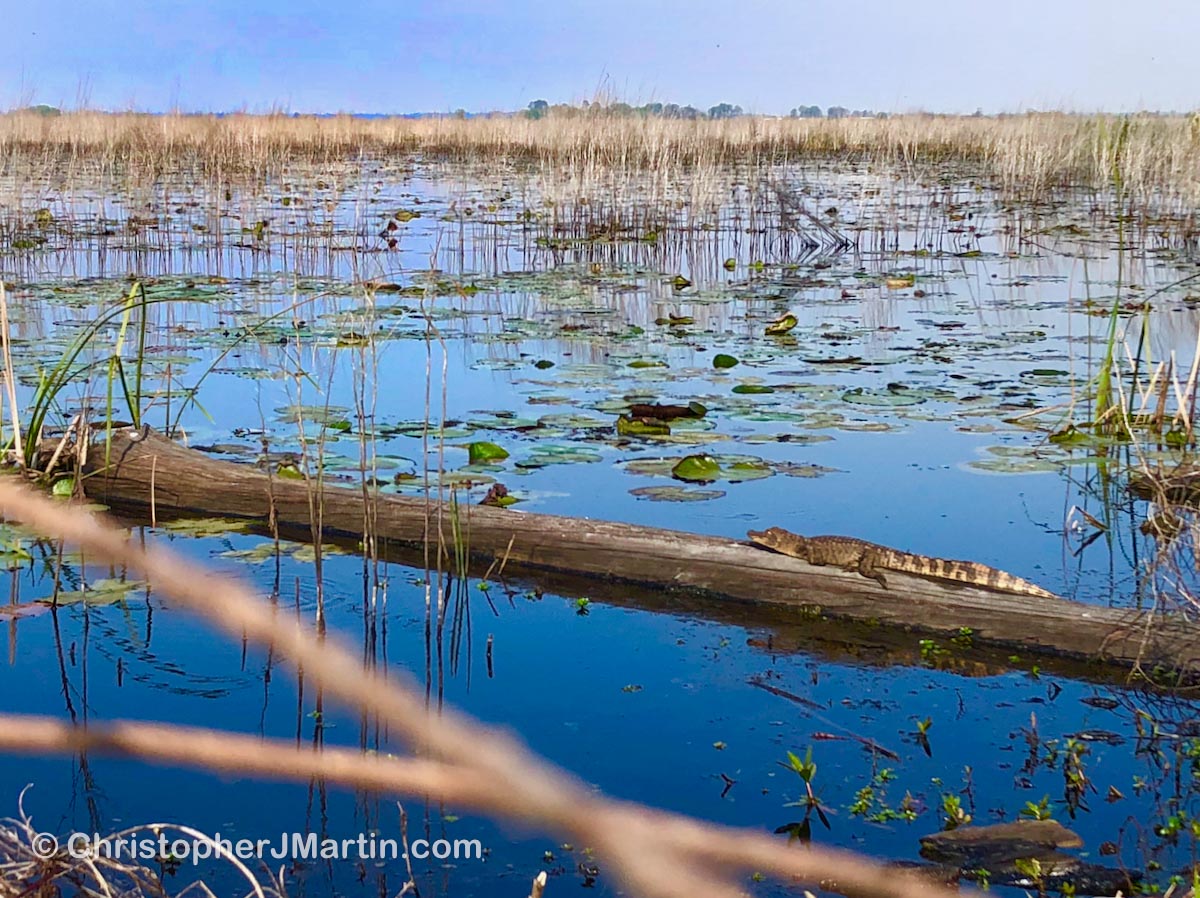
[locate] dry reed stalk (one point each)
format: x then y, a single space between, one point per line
10 380
656 853
234 753
1158 156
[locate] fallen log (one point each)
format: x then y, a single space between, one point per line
151 473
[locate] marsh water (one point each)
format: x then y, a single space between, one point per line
329 321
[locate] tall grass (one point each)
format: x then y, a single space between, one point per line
1031 154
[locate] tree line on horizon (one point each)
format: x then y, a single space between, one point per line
541 109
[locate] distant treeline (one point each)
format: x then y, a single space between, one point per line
541 109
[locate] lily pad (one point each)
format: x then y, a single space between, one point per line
483 451
640 427
101 592
675 494
204 527
893 396
697 469
782 325
553 454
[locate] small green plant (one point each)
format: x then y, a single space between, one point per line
965 638
806 770
921 736
1031 868
870 802
1039 811
1076 783
582 606
954 814
931 651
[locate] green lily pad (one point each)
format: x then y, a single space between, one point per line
574 421
752 389
1071 436
697 469
307 554
637 427
675 494
782 325
483 451
552 454
330 416
894 396
205 527
1013 466
724 360
101 592
263 552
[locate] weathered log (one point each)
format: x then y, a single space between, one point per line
156 473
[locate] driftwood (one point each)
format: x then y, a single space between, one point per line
159 475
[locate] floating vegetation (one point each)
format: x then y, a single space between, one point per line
675 494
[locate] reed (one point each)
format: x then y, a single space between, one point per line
1158 156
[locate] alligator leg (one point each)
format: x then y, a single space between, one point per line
866 567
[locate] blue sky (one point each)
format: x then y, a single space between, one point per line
765 55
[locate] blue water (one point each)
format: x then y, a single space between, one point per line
643 703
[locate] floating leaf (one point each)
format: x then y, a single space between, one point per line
900 282
307 554
64 488
752 389
1070 436
1013 466
782 325
679 282
894 396
101 592
742 469
641 427
697 469
259 554
205 527
723 360
550 454
482 451
675 494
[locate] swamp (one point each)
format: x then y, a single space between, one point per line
966 338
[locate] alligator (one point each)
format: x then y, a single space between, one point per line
871 559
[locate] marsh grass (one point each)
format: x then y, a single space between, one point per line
1037 151
584 173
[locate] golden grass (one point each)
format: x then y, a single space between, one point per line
1156 157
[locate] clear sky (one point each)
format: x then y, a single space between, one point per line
765 55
